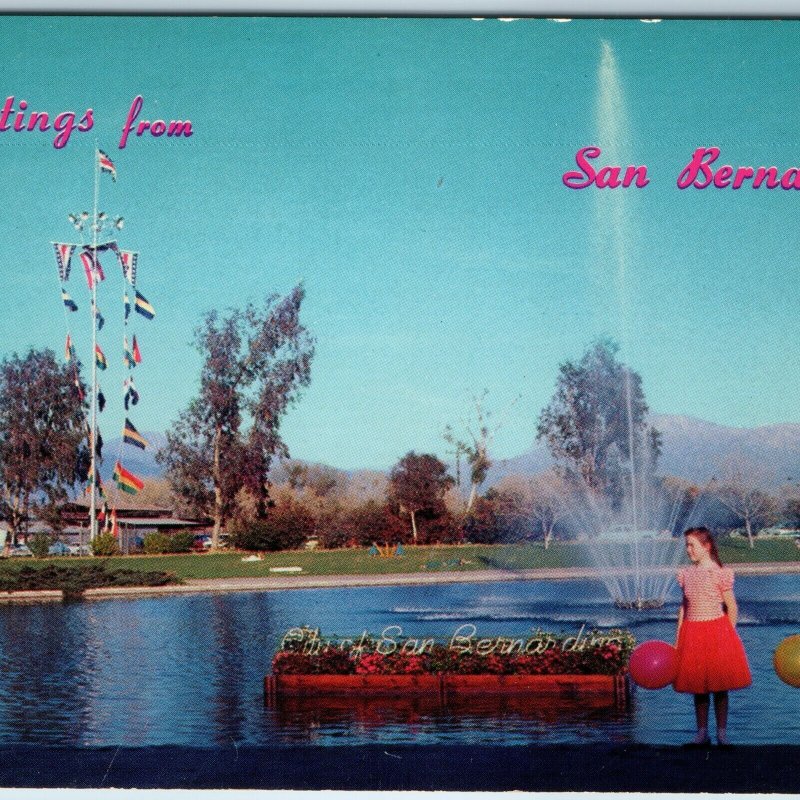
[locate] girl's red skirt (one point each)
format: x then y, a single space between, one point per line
710 658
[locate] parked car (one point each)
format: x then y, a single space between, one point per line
59 549
201 543
21 550
79 550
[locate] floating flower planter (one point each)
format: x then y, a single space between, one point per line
449 689
590 668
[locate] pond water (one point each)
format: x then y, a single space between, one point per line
188 670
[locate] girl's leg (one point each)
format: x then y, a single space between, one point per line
721 714
701 706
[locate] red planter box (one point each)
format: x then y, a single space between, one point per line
561 685
610 690
385 685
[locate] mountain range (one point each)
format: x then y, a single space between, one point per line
694 449
697 451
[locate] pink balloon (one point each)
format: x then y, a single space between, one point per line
653 665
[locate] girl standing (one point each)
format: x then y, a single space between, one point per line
710 657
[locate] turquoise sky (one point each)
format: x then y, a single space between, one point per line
409 171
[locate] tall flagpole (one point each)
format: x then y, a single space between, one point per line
93 438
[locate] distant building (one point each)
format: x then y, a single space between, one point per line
133 521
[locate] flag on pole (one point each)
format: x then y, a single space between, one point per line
127 358
91 266
114 524
68 354
99 317
127 481
137 354
63 259
131 395
102 514
68 301
94 259
127 301
99 357
95 479
128 260
143 307
101 400
131 436
106 165
88 268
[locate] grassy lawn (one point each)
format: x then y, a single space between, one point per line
458 558
736 550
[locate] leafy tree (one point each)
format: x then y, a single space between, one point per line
42 434
418 483
296 473
683 500
595 424
481 525
51 513
256 361
372 521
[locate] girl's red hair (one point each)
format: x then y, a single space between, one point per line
706 538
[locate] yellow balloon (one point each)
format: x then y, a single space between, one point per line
786 660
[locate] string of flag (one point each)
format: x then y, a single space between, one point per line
133 300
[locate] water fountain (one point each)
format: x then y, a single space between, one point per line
636 556
634 542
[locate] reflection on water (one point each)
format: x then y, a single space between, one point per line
189 670
319 720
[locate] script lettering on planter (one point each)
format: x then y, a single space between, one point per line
464 640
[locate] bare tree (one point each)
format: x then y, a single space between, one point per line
740 490
474 446
789 499
549 502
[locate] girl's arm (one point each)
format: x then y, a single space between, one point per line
730 606
680 622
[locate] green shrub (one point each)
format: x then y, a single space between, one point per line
287 528
181 541
40 545
104 544
156 543
74 579
332 537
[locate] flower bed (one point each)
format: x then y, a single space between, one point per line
547 664
595 654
